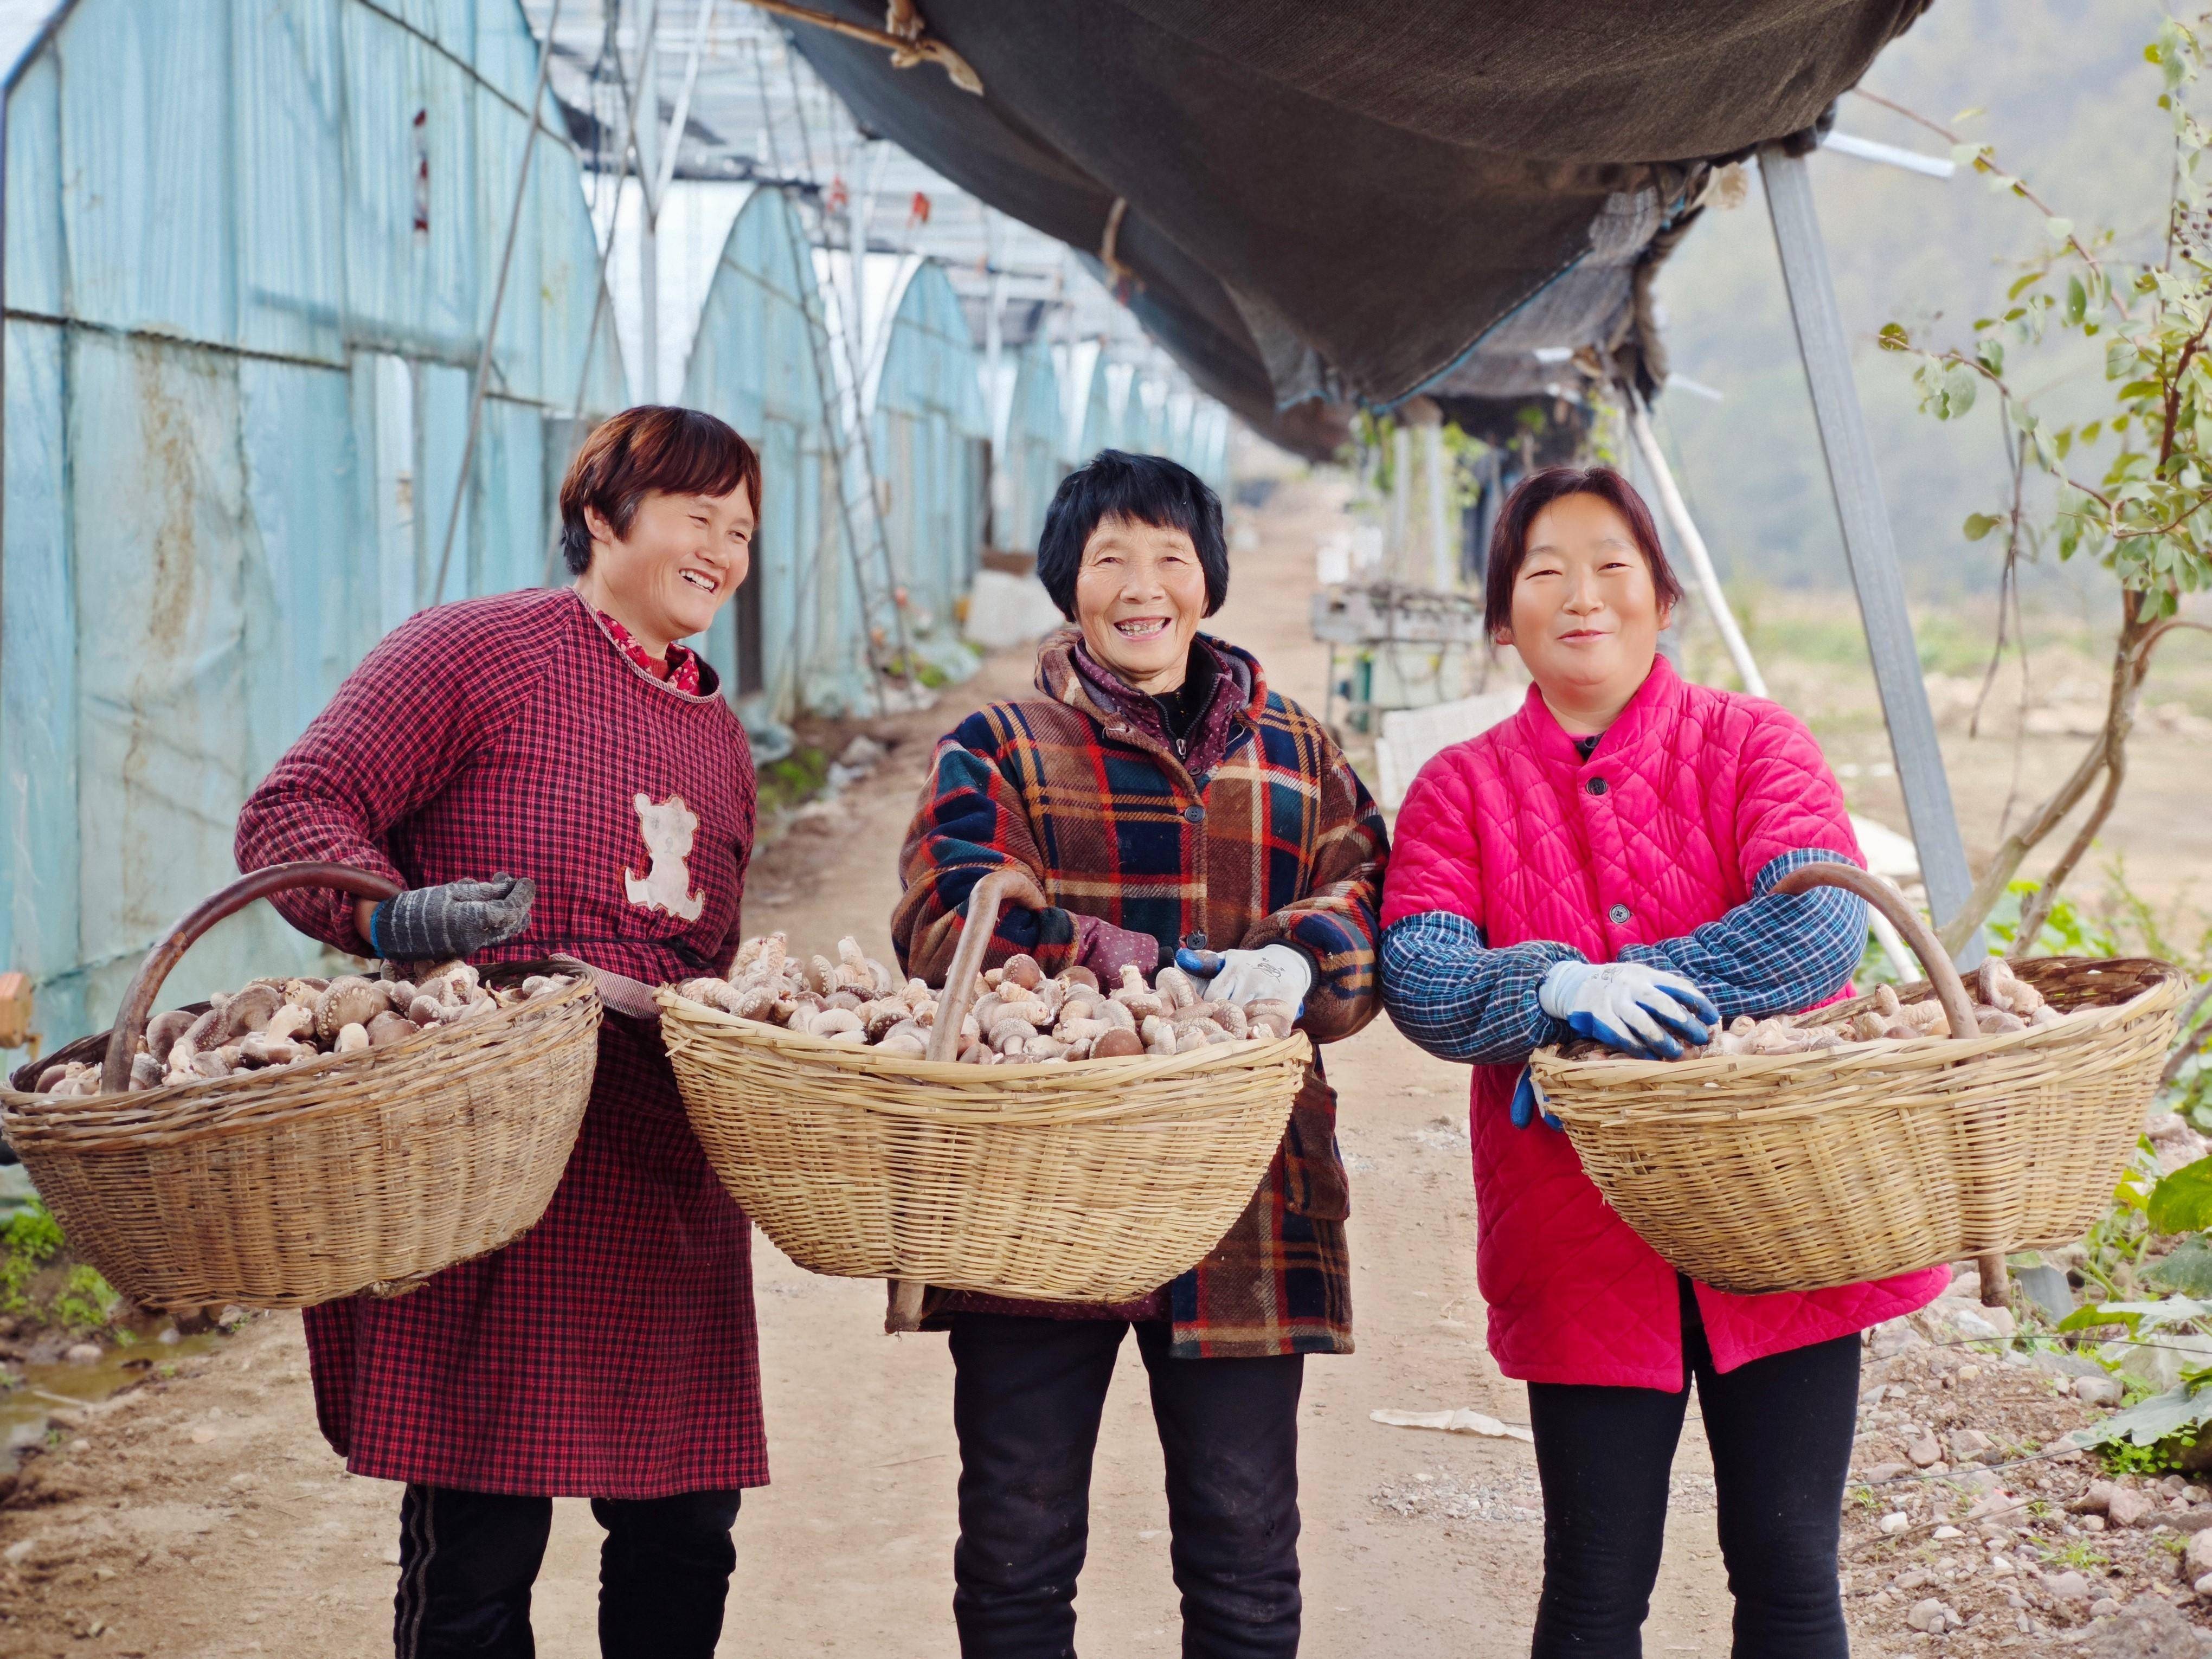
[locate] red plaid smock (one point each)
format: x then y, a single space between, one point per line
1278 843
610 1352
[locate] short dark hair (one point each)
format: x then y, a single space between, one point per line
1508 542
678 451
1144 489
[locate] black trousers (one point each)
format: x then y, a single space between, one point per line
467 1560
1027 1395
1781 1434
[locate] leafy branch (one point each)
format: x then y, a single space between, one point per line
2130 487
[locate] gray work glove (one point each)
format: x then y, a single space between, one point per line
434 924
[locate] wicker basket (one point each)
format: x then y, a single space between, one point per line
1795 1172
287 1187
1096 1181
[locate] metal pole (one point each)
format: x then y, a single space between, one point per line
1401 496
648 208
600 297
1444 566
681 117
498 300
1693 545
1868 543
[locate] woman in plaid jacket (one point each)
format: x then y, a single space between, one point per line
1171 805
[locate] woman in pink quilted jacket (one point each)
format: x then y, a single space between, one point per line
1603 864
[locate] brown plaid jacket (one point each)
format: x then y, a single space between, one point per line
1279 842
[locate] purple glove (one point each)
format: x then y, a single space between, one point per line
1105 950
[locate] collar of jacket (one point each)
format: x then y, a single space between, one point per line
1639 727
1106 700
710 683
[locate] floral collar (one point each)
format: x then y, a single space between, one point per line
680 672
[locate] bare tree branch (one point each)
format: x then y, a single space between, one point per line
2189 1042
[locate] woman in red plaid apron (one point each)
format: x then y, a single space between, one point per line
544 771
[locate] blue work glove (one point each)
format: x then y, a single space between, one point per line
1629 1007
1275 971
1528 1102
458 919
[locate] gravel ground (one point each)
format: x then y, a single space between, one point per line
1963 1534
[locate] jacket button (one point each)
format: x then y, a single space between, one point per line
1194 814
1619 914
1195 941
1595 785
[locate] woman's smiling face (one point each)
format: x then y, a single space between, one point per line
1139 597
1586 617
682 557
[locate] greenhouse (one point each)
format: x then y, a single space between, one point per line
250 261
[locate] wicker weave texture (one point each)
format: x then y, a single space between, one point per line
1093 1182
288 1187
1760 1173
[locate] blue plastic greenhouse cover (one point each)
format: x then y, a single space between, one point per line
931 434
791 639
247 270
1036 434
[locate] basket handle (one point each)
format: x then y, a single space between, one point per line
139 1000
1936 962
1008 881
902 1309
1882 894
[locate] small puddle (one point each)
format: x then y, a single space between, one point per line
61 1384
47 1389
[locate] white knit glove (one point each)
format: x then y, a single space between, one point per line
1272 971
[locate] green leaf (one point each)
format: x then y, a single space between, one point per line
2060 229
2188 1271
2089 432
2182 1202
1893 337
1979 525
2020 285
2077 299
2145 1424
1991 355
2090 1316
1955 395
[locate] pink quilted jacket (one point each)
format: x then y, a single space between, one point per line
1701 790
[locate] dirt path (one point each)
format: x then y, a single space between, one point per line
203 1514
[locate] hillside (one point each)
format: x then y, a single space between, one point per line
2065 95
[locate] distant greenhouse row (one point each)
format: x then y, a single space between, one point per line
250 253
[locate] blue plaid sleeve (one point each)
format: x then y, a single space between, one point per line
1453 996
1776 953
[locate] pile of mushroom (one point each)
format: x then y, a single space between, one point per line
1020 1015
2002 1002
281 1021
